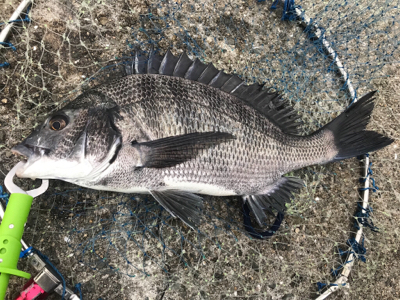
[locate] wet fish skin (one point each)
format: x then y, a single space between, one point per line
173 136
259 155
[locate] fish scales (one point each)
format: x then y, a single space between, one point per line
188 129
259 155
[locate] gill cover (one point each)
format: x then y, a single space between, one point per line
75 142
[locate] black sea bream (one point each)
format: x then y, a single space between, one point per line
175 128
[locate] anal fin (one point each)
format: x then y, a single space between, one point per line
274 196
181 204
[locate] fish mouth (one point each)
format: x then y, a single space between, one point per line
29 150
33 154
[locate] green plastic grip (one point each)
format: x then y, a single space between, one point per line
11 230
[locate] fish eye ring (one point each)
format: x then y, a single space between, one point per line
58 123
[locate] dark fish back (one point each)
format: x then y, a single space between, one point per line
265 101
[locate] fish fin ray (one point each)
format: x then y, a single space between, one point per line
248 91
279 111
233 82
255 204
195 70
208 74
184 205
183 64
170 151
168 64
269 104
154 62
140 62
219 80
350 137
275 196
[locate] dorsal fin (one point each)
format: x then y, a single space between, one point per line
183 64
232 83
168 64
195 70
208 74
262 99
219 79
154 62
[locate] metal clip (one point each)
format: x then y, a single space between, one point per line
10 185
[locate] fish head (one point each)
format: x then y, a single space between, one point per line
73 143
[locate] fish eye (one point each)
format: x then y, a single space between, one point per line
58 123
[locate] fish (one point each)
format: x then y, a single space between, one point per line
179 129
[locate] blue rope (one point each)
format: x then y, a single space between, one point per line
8 44
3 195
362 217
260 235
335 272
357 249
26 19
363 214
374 188
77 289
26 252
321 285
288 10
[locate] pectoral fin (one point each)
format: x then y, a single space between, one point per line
185 205
170 151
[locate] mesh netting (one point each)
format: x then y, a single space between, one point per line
126 246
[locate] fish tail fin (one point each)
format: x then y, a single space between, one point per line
350 137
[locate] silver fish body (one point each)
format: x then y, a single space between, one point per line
177 133
247 165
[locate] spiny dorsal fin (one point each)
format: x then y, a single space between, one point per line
264 100
195 70
154 62
232 83
183 64
219 80
168 64
208 74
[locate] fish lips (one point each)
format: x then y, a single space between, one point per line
29 151
33 155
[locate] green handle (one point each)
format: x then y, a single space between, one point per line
11 230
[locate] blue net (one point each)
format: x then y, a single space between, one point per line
126 246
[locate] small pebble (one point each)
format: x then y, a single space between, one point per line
4 100
103 20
